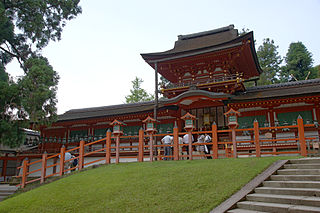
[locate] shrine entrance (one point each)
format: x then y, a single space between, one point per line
207 115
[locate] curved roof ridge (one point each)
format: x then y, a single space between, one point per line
204 33
101 108
286 84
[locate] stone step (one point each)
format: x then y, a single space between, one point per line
294 184
296 177
285 199
244 211
302 166
305 161
298 172
6 193
289 191
276 207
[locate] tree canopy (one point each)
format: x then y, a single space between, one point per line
299 64
138 94
26 27
270 62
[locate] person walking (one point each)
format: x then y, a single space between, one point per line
167 140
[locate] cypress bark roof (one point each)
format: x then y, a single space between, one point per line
289 89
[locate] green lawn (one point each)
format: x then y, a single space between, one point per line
166 186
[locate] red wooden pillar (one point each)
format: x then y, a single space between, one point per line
175 142
151 147
214 140
234 143
256 138
302 139
43 167
81 155
24 172
141 145
62 155
190 144
108 145
117 148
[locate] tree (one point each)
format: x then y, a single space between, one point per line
269 60
137 94
163 83
298 64
26 27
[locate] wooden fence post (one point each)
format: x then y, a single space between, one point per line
62 155
108 145
117 148
44 167
302 139
151 147
234 142
141 145
190 144
256 138
24 172
215 140
81 154
175 142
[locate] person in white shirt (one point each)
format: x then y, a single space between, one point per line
207 139
167 140
186 141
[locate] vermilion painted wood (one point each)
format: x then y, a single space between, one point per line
117 148
24 172
256 138
151 147
176 143
214 139
62 154
141 145
81 153
108 144
301 137
234 145
190 144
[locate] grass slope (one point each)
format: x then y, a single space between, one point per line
166 186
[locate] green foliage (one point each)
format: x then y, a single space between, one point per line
25 28
137 94
39 87
163 83
298 64
10 111
269 60
162 186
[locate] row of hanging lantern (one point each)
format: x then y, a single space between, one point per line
150 127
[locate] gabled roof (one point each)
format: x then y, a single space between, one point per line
199 40
93 112
295 88
289 89
205 48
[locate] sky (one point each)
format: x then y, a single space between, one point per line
99 53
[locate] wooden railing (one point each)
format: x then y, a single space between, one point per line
256 141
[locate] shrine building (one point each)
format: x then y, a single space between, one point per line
207 73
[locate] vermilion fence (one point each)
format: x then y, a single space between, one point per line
256 141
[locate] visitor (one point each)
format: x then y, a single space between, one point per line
74 162
201 148
186 141
208 139
167 140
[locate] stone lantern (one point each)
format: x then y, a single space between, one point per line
150 129
232 118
